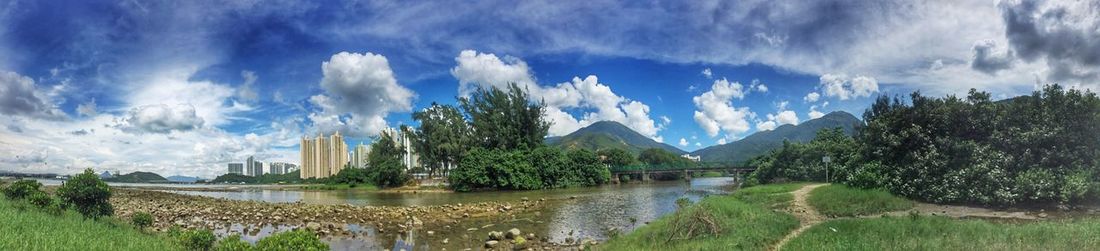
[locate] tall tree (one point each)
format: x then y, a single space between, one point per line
385 156
442 138
505 119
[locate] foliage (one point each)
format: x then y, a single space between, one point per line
299 239
617 157
841 200
267 178
40 199
141 220
442 137
68 230
803 162
198 239
87 194
505 119
233 243
540 168
942 233
1035 149
386 168
22 188
664 158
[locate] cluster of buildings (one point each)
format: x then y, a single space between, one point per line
326 156
252 167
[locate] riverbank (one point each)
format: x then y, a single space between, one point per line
26 227
856 219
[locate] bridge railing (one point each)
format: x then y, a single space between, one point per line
694 166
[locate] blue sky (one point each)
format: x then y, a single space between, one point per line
185 87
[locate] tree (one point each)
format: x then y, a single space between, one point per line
22 188
141 220
505 119
442 138
386 168
87 194
616 157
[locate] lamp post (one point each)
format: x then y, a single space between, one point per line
826 159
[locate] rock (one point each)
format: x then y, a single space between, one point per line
430 233
445 240
530 236
313 226
513 233
472 229
519 242
568 240
491 244
494 235
1042 215
524 198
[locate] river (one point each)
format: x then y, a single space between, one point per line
575 213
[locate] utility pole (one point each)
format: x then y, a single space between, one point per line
826 159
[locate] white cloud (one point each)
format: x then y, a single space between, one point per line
594 100
842 87
683 142
665 121
360 90
247 90
757 86
209 100
721 141
706 72
20 97
715 111
811 97
783 117
814 113
164 118
87 109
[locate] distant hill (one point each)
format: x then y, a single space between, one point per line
761 142
609 134
138 177
183 179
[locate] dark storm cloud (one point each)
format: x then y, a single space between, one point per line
1065 34
989 58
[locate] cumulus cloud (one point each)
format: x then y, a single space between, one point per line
782 117
683 142
757 86
715 111
706 72
814 113
164 118
989 58
247 90
594 100
1061 33
842 87
360 90
19 97
811 97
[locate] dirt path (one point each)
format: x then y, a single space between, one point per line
802 210
960 212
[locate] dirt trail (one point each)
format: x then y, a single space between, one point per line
959 212
802 210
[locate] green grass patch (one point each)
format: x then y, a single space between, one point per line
840 200
365 187
742 221
25 227
940 233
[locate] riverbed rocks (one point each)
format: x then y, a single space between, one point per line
191 212
512 233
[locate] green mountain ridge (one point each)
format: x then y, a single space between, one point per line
609 134
138 177
761 142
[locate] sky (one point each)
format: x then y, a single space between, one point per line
184 87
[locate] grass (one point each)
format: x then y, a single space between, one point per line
940 233
746 220
25 227
365 187
840 200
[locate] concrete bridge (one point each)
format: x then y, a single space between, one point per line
686 171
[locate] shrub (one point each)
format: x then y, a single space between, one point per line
291 240
40 199
233 243
142 219
200 239
21 189
87 194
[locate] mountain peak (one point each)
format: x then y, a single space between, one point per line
763 141
610 134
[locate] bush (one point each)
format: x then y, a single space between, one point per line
292 240
200 239
142 219
40 199
233 243
540 168
21 189
87 194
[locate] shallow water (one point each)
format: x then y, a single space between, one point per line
575 213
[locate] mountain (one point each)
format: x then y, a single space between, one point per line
761 142
182 179
609 134
138 177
